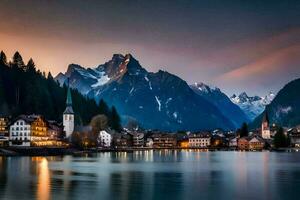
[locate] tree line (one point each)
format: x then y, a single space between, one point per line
26 90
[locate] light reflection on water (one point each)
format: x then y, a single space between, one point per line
152 175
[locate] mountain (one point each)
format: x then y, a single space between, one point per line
156 100
222 102
285 108
252 106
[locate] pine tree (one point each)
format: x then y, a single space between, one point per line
18 61
115 120
243 131
103 108
3 59
280 139
30 67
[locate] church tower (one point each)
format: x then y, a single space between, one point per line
68 116
265 127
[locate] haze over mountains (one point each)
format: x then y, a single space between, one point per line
158 100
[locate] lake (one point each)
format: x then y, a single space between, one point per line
151 174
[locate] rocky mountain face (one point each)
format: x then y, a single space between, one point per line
285 108
222 102
156 100
252 106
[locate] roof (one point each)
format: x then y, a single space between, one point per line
69 109
200 135
27 118
69 97
249 138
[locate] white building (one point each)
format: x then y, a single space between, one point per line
104 139
149 142
20 132
233 142
68 116
199 140
138 139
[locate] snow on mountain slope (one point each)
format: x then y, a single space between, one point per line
252 106
156 100
222 102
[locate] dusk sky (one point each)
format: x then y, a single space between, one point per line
251 46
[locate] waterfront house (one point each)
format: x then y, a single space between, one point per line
122 140
201 140
294 135
233 142
104 139
253 143
149 142
218 140
34 130
256 143
164 140
183 143
4 132
243 143
138 139
20 131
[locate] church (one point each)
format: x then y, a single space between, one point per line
68 116
265 127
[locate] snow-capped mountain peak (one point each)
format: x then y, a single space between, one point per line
252 105
205 88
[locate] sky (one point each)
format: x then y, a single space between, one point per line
244 45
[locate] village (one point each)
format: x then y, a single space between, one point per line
34 131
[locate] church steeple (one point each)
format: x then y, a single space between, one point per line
69 109
266 118
265 126
68 116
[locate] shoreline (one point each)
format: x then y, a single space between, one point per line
60 151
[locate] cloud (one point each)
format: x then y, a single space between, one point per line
271 71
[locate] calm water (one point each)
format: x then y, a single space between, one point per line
153 175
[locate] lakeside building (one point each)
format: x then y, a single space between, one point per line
33 130
256 143
149 142
233 142
294 135
122 140
4 132
20 131
183 143
201 140
252 143
138 139
104 139
164 140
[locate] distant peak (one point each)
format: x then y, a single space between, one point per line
244 94
204 87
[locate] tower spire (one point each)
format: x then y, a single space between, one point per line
69 109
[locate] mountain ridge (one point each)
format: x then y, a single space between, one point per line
156 99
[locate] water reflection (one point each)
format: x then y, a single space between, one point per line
152 175
43 184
